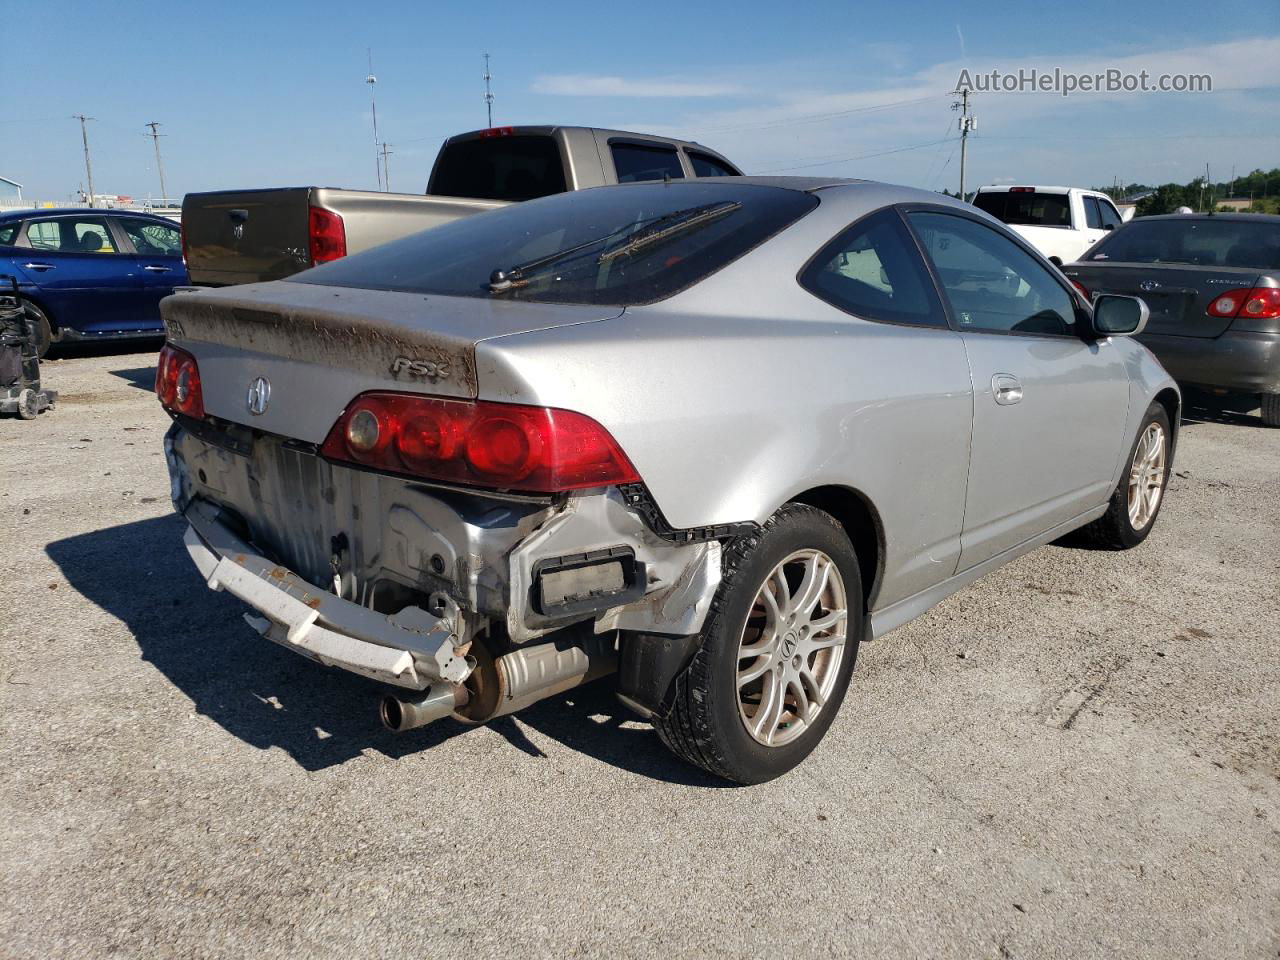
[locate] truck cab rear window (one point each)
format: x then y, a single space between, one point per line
1026 209
609 245
499 168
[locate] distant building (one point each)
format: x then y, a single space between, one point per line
10 191
1125 204
1236 203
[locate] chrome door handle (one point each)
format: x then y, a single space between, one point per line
1006 389
155 269
37 266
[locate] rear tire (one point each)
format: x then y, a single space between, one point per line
1271 409
43 328
754 724
1125 525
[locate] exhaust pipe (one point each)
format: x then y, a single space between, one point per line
440 701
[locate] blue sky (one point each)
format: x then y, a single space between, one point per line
272 93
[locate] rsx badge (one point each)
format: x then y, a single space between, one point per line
420 368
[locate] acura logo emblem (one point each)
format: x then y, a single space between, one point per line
259 396
1149 285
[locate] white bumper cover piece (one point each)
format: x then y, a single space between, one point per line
409 649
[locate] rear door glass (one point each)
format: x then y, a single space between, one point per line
71 235
1109 216
1092 218
705 166
636 162
499 168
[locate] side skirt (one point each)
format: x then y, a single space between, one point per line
891 617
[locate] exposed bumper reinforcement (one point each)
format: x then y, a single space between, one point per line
408 649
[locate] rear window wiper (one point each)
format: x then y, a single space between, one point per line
654 231
657 232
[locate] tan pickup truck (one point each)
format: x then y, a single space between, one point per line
244 236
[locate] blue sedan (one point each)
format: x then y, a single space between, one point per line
92 274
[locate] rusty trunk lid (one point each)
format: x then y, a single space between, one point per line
312 349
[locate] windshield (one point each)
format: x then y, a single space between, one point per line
667 235
1196 240
1026 208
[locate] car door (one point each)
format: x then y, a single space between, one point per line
80 275
1048 406
157 255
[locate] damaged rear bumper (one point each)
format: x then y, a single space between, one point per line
410 649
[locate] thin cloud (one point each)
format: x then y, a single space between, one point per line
595 85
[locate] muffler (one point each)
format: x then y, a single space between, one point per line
440 701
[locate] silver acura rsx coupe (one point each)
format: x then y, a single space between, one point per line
703 436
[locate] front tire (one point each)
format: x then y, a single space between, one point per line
1137 499
777 650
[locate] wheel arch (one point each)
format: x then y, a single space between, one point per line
1172 403
54 326
855 512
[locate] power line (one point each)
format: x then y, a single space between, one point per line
864 156
818 117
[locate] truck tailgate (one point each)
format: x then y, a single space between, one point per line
242 236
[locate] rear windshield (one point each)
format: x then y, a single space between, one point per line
1200 241
608 245
1026 209
499 168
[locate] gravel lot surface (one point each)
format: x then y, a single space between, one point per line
1079 756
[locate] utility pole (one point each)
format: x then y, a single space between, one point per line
84 136
967 123
155 138
386 170
372 81
488 94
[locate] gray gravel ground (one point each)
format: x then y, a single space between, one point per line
1079 756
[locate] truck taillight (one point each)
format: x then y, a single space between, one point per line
1261 303
327 236
503 446
497 132
178 382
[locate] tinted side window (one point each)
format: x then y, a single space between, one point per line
874 271
72 235
705 166
634 162
8 231
152 239
1110 218
1092 218
991 282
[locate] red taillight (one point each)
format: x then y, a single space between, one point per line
1262 303
178 382
497 132
1022 189
478 443
1084 291
327 235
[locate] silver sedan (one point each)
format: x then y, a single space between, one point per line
702 437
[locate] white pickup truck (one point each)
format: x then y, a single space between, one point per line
1060 222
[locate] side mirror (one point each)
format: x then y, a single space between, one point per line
1117 316
1108 227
